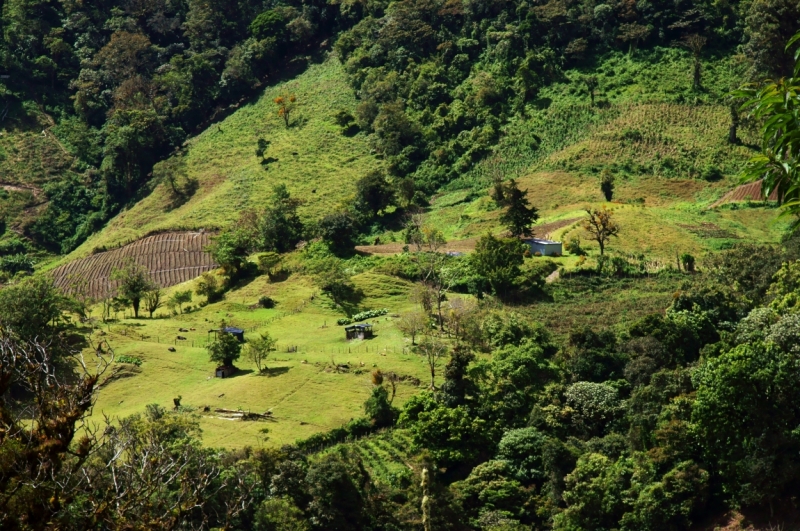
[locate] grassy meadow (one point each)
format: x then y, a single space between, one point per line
301 388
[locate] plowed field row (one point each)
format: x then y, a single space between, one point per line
746 192
171 258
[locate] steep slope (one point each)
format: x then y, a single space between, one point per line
312 157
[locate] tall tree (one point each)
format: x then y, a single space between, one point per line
225 349
519 216
607 184
134 284
153 300
695 44
258 350
498 261
280 227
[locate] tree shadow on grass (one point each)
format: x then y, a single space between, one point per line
240 372
274 371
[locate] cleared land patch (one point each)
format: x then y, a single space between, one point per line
747 192
171 258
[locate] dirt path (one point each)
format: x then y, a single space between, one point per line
468 245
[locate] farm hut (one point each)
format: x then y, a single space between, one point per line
544 247
359 331
223 371
238 333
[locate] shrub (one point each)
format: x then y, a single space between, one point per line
266 302
133 360
368 314
687 261
573 246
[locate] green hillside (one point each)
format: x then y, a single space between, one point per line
277 266
317 163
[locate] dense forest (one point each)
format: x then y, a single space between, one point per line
680 416
123 84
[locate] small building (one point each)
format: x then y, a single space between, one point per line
359 331
544 247
238 333
223 371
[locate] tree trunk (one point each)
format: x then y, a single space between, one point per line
433 376
602 246
135 304
732 131
697 72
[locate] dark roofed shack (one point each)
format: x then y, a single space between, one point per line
238 333
358 331
223 371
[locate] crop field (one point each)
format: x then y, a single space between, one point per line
747 192
171 258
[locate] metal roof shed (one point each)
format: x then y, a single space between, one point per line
544 247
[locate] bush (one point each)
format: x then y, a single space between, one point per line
16 263
369 314
266 302
573 246
133 360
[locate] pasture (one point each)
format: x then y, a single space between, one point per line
303 388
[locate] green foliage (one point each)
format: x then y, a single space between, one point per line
751 391
179 298
27 321
522 450
378 408
519 216
16 263
775 106
369 314
451 435
333 278
498 261
607 184
230 250
258 349
785 287
492 488
374 194
128 359
225 349
280 514
279 228
671 503
210 287
134 283
339 230
596 494
595 407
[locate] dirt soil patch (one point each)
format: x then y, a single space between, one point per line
171 258
709 230
746 192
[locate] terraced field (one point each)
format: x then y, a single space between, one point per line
746 192
171 258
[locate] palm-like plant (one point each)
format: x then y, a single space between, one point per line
777 104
